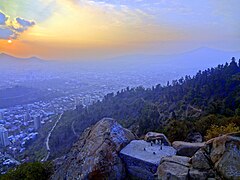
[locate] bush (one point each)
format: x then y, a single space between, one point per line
30 171
216 131
177 130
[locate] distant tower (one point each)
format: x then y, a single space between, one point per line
77 102
27 117
3 137
37 122
1 116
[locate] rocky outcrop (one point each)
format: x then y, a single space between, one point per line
95 155
175 167
219 158
180 168
224 153
186 148
153 136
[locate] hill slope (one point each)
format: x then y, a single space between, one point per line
191 103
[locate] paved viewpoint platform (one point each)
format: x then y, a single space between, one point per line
152 154
142 158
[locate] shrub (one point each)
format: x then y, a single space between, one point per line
30 171
216 131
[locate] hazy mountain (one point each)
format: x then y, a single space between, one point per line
188 61
198 59
5 59
11 63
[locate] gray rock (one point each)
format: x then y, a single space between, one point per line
95 155
200 160
152 136
173 168
225 154
186 148
195 174
182 160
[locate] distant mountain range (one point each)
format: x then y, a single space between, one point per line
11 63
196 59
200 58
5 58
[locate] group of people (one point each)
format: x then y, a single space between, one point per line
156 142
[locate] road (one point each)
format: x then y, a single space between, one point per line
73 130
48 137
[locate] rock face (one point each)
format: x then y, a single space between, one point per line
186 148
153 136
224 153
180 167
175 167
219 158
95 155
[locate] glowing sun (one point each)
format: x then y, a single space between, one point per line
9 41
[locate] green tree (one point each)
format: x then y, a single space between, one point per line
30 171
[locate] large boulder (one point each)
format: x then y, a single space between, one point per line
201 160
175 167
153 136
186 148
224 152
219 158
95 155
180 168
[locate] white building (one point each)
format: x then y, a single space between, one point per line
3 136
37 122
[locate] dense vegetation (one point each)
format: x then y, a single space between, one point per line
211 97
30 171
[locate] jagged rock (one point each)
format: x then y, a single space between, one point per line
218 159
179 167
95 155
152 136
186 148
225 155
195 174
175 167
178 159
194 137
201 160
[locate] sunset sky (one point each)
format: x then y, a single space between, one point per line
79 29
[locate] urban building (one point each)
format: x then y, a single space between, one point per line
1 116
37 122
3 137
27 117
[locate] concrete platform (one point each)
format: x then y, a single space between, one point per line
136 149
142 164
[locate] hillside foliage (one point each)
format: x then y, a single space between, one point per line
29 171
211 97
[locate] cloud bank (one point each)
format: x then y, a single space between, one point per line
11 29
